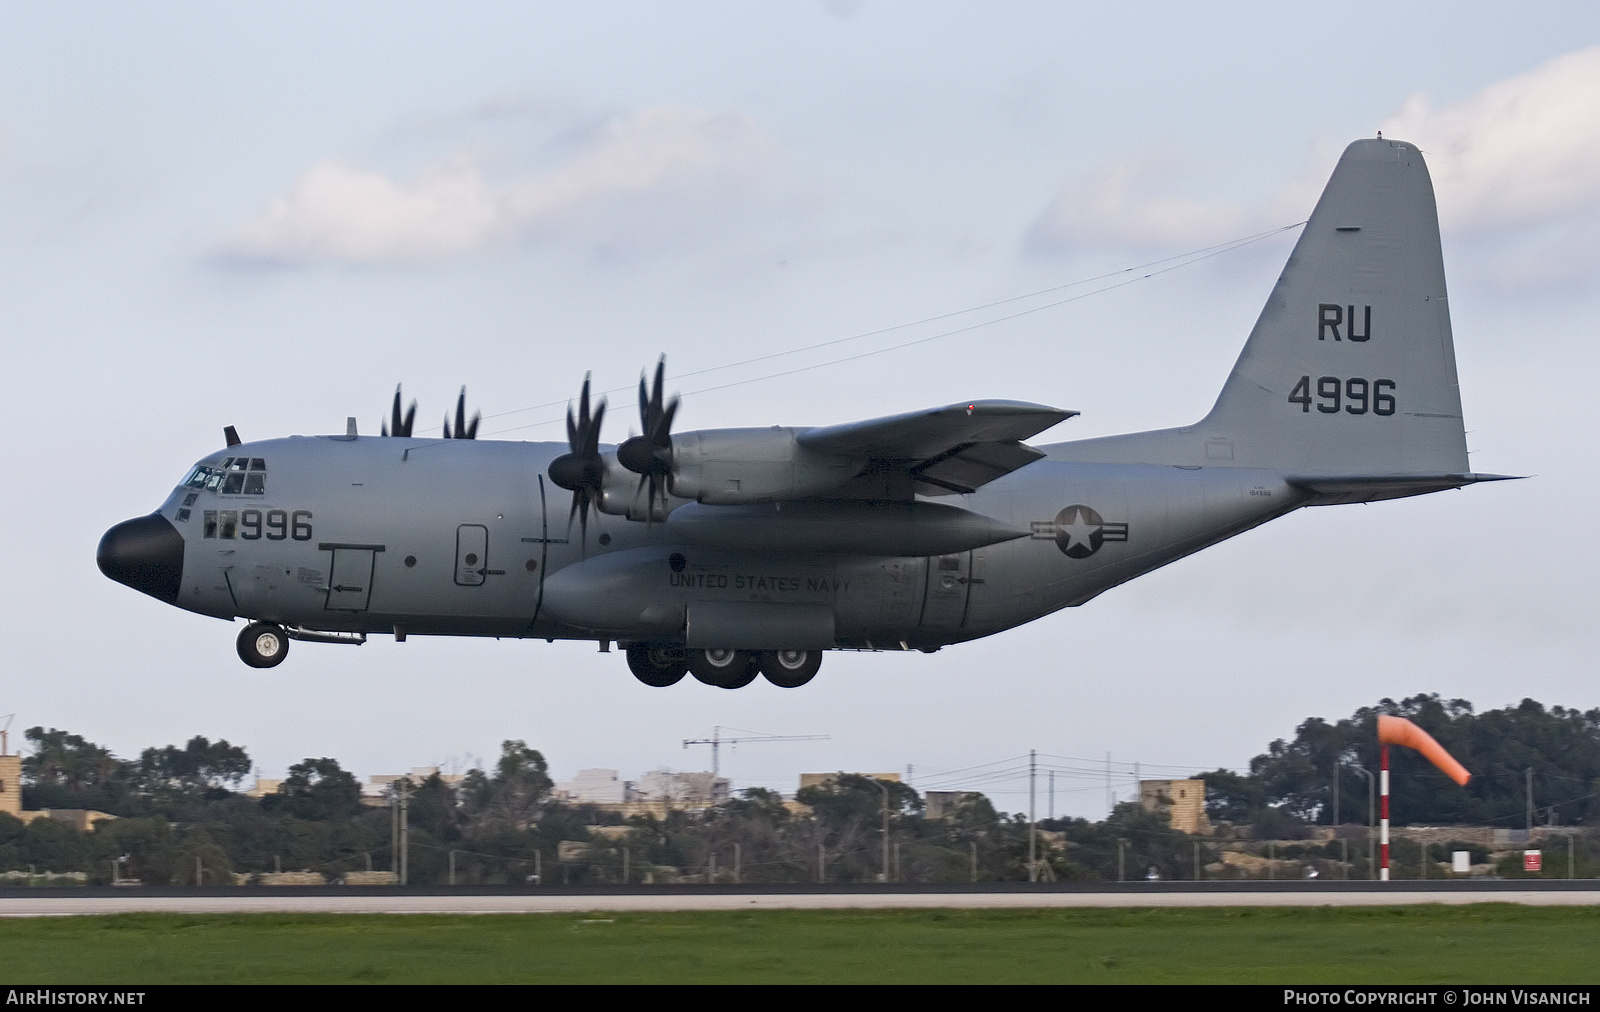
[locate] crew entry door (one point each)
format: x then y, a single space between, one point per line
350 576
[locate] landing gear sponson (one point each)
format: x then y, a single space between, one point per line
726 669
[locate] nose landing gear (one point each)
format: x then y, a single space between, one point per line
263 645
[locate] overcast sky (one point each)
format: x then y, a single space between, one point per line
267 216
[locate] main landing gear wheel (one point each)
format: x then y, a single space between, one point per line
726 669
263 645
790 669
657 666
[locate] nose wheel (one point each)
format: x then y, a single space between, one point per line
263 645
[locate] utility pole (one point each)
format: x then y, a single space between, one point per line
884 877
1052 795
1530 804
405 833
1033 825
1336 768
716 741
1371 865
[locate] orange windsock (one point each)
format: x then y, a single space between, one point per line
1400 731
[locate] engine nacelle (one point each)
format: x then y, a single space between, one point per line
736 467
620 495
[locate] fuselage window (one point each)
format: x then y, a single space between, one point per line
223 524
234 476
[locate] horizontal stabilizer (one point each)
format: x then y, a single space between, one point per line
1336 490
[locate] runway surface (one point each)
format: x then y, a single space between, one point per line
359 900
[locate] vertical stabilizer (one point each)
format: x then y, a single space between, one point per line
1350 369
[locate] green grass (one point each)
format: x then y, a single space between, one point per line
1488 943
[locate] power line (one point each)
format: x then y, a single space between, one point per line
1183 260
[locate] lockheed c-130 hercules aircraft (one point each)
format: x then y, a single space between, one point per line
735 552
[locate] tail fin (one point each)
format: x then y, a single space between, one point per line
1350 370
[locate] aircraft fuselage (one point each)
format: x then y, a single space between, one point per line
469 537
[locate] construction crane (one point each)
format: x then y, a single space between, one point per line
716 741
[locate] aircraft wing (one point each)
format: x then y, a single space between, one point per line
948 450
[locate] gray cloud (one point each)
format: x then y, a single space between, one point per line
343 213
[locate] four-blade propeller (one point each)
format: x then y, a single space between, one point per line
398 424
650 455
463 429
581 471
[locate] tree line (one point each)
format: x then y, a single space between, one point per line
181 813
1292 784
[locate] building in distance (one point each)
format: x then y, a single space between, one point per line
1183 801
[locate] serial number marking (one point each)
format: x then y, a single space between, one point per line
1355 396
253 525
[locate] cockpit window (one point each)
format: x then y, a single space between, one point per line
234 476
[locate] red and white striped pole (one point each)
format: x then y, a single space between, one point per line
1383 825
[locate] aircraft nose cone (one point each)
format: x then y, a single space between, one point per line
146 554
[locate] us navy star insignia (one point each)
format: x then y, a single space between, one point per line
1078 531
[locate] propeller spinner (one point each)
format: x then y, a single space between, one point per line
581 471
650 455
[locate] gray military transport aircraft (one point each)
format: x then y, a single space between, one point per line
733 552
